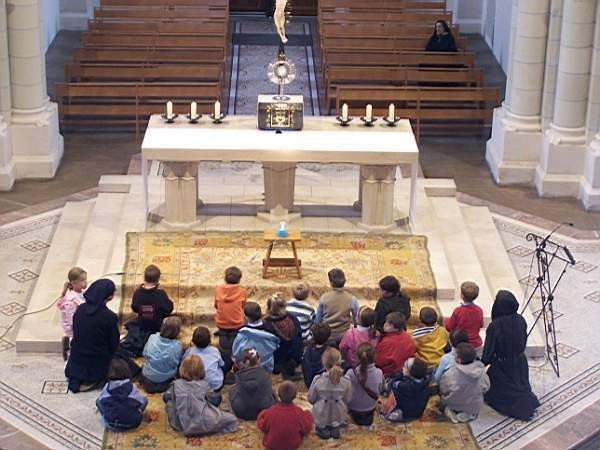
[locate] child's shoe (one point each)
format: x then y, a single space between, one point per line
323 433
335 432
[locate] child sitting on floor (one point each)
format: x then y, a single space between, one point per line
395 347
329 394
211 358
162 354
70 299
301 309
150 302
430 340
188 408
312 364
391 299
337 308
463 385
253 388
120 402
366 382
230 298
284 424
254 335
364 332
410 392
447 361
468 316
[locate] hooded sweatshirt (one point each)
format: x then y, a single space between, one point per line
264 342
251 393
430 344
463 385
161 358
229 303
311 363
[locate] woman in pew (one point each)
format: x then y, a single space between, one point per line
505 340
442 39
95 338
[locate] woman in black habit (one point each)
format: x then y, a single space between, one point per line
441 40
505 340
95 337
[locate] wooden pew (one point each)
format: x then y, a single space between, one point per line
381 42
196 27
149 55
378 29
128 104
338 76
213 13
345 57
154 40
143 72
445 108
384 4
341 15
163 3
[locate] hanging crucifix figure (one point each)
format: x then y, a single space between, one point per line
279 19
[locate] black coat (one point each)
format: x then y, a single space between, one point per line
510 392
152 306
251 393
311 363
441 43
384 306
411 396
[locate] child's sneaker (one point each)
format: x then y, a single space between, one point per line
463 417
323 433
335 432
451 415
66 345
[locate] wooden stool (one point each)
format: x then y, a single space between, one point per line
271 237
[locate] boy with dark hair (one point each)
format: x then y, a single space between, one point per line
150 302
312 364
410 391
395 347
337 308
210 356
301 309
285 425
431 339
390 300
447 361
468 316
254 335
230 298
463 385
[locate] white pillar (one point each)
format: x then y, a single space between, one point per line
36 142
563 150
7 168
551 69
512 151
589 191
511 50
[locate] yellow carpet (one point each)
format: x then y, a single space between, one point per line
193 265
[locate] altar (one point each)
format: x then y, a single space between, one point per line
378 150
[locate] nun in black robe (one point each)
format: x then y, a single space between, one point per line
505 340
95 337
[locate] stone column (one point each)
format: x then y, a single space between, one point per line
512 151
563 150
181 193
589 191
36 142
7 168
279 179
378 198
511 50
551 69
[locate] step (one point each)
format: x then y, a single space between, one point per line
461 254
496 264
42 332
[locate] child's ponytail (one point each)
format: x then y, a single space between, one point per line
331 362
366 356
367 318
75 274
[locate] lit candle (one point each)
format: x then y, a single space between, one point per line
193 110
369 114
169 109
344 112
282 226
217 109
391 113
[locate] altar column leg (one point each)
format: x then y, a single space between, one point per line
378 198
280 178
181 193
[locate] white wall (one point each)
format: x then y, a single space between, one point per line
51 15
501 32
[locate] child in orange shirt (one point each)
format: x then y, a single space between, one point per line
230 299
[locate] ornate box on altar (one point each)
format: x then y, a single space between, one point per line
280 114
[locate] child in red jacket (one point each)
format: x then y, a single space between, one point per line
284 424
468 316
395 347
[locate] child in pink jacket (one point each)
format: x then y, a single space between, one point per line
364 332
70 299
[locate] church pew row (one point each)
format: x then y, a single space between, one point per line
161 13
97 39
380 29
143 72
341 15
127 105
149 55
337 76
151 26
381 42
385 4
448 108
162 3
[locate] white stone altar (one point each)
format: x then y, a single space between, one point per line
378 150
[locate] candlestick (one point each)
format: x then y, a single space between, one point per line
369 114
193 110
217 109
169 109
344 112
391 113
